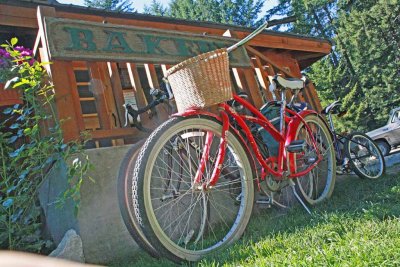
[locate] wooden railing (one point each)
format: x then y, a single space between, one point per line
89 94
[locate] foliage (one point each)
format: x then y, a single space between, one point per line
115 5
31 143
364 66
6 61
238 12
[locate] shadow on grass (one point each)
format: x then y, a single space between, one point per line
354 199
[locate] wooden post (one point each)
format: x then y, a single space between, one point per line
65 99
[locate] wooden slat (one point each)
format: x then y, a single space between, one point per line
92 123
262 77
17 21
139 93
98 90
155 83
237 78
87 99
314 97
90 115
117 90
152 75
82 83
253 88
308 94
108 94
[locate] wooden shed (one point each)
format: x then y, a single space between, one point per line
102 59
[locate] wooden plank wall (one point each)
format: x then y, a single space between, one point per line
98 89
90 95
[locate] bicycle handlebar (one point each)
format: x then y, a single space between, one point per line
134 113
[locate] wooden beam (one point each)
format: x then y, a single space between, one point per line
118 133
262 40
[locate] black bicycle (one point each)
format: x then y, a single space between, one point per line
356 151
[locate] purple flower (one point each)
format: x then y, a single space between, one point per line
19 48
6 55
31 61
25 53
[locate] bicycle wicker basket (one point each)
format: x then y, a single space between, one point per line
201 81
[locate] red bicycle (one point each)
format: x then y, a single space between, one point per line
193 179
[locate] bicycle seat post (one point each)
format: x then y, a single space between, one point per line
282 111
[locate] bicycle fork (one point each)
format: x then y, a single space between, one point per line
219 159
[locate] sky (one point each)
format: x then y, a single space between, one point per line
139 4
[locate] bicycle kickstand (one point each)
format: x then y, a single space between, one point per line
298 197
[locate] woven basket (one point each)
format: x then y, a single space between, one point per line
201 81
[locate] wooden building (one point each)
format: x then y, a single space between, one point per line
102 59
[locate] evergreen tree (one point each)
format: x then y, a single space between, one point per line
239 12
155 8
115 5
363 68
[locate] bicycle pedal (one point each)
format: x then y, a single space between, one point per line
296 146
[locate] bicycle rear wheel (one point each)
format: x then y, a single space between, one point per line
124 188
183 221
319 183
364 156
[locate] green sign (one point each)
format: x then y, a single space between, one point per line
82 40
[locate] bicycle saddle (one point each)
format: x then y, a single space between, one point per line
333 108
291 83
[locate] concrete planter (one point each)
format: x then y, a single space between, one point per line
99 223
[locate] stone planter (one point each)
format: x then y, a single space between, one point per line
99 223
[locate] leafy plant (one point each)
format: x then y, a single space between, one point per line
31 143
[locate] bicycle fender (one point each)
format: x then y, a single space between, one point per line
196 112
291 135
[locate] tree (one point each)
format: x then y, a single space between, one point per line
115 5
239 12
363 68
155 8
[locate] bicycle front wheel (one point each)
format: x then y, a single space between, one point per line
364 156
182 220
319 183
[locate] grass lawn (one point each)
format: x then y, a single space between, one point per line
358 226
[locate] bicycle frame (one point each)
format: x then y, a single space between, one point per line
285 161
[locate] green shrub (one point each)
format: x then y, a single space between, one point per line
31 143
